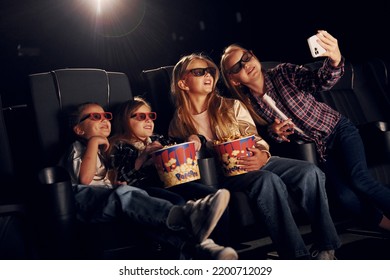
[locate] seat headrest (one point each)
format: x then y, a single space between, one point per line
55 93
158 93
269 64
76 86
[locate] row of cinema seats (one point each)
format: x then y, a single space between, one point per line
37 207
361 95
14 242
53 94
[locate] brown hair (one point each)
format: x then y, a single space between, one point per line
121 128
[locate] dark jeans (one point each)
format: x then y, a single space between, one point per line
194 191
172 197
181 193
349 178
270 188
97 204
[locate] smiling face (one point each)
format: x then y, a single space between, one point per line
141 128
241 66
195 83
88 127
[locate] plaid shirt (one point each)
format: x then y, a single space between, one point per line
291 87
123 157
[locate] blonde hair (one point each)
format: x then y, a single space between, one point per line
238 90
218 108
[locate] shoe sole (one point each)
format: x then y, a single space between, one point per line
228 254
221 199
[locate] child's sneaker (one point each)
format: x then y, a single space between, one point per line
205 213
208 250
323 255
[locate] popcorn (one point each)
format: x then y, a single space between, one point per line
229 151
177 164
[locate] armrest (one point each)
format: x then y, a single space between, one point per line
58 191
12 208
375 127
296 149
208 171
58 211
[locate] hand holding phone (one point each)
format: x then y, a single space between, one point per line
315 48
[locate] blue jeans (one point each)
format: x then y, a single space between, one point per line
348 175
270 189
192 190
165 194
181 193
98 204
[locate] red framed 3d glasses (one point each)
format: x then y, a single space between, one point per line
141 116
97 116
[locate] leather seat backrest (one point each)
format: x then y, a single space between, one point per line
10 188
6 161
372 85
269 64
54 93
378 70
342 97
158 93
356 95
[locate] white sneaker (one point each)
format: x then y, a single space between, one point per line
210 251
323 255
205 213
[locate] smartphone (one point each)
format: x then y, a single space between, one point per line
315 48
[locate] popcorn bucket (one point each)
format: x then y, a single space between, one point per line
177 164
228 152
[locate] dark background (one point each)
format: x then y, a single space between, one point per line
42 35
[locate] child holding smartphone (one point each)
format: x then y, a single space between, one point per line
270 180
283 100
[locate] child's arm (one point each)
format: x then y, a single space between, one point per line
144 156
89 161
126 162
